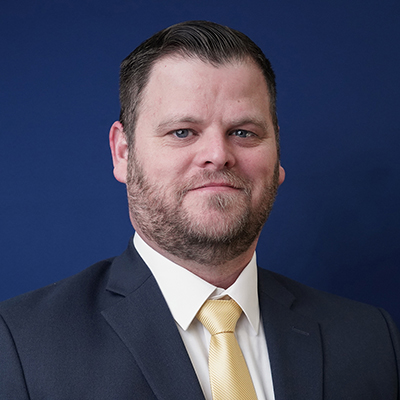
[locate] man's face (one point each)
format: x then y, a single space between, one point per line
204 171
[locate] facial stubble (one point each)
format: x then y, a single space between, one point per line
163 219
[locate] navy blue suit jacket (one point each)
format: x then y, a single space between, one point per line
107 333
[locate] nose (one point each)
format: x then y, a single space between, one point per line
215 151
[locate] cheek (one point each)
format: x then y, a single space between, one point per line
166 172
172 165
258 168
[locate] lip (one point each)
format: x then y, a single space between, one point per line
215 186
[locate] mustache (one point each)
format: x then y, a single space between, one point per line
225 177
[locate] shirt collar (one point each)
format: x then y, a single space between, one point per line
185 292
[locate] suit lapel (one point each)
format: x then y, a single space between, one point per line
144 323
142 320
294 344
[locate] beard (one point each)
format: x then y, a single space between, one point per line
160 215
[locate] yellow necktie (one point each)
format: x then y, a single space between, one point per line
229 377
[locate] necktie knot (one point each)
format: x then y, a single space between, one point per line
219 316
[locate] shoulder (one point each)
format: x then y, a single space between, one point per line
76 302
327 308
349 333
56 298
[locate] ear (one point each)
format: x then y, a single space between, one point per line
119 151
282 174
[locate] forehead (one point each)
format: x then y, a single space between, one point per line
185 79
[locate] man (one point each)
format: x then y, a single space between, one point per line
197 146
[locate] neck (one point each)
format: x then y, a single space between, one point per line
222 275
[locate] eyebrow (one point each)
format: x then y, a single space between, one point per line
259 122
178 119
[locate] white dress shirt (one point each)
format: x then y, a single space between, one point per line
185 293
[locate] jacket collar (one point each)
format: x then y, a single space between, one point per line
141 318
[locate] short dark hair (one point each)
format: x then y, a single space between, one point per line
210 42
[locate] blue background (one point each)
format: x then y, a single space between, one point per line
336 222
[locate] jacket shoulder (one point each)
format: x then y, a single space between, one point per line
60 295
317 304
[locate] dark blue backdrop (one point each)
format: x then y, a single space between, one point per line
336 222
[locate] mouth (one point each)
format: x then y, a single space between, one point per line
213 183
215 187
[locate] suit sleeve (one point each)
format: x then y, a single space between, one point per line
395 337
12 380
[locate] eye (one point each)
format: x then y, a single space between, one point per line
182 133
242 133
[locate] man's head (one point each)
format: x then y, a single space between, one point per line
210 42
203 169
